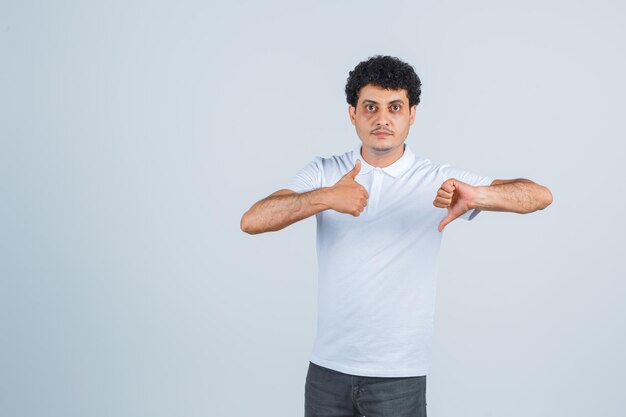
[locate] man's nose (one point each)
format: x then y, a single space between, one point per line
383 118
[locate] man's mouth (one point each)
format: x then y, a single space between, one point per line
382 133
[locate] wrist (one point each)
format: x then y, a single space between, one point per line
477 197
322 197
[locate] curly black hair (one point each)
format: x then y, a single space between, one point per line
383 71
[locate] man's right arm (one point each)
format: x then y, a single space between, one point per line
284 207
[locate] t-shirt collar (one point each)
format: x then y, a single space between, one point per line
395 170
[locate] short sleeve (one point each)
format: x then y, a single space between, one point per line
309 178
448 171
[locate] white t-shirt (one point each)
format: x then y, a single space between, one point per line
376 283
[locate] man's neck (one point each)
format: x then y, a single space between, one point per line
382 160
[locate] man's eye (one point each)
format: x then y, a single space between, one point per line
395 107
370 107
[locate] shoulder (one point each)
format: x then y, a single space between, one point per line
442 169
336 163
425 166
428 171
446 171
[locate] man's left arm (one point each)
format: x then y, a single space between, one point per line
517 195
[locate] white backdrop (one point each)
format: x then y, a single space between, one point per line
135 134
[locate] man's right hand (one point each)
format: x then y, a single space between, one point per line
347 195
285 206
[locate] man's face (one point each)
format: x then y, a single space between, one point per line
382 118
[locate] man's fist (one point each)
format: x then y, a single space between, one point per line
456 196
347 195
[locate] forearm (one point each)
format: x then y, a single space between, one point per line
276 212
519 196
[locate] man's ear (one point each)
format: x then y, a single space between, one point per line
352 113
412 113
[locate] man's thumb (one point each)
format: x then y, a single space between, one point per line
356 169
443 223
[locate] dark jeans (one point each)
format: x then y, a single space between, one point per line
329 393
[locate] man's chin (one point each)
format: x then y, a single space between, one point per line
381 148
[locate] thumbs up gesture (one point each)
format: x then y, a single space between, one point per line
457 197
347 195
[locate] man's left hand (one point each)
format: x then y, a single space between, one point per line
457 197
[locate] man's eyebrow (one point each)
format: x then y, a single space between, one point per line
368 101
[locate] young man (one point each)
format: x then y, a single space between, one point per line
380 212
